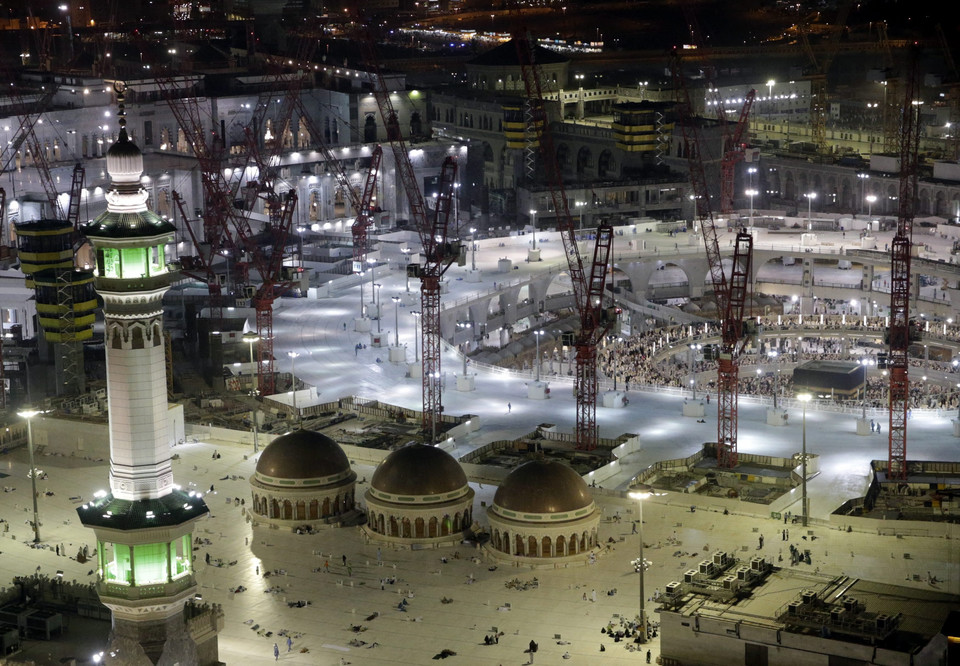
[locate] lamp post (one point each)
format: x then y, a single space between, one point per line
752 171
864 177
396 316
871 198
751 193
28 414
373 263
810 196
580 205
770 85
692 350
537 335
376 300
533 223
416 335
251 339
776 375
642 492
804 398
406 261
293 381
473 249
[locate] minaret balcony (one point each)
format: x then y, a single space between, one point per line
115 590
143 283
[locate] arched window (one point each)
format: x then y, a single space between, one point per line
418 528
301 510
287 510
326 508
405 531
519 546
532 546
545 547
433 531
314 509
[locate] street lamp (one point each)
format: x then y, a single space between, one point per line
376 301
864 177
537 335
251 339
752 171
28 414
473 249
871 198
580 205
416 335
533 223
804 398
373 264
810 197
406 261
776 375
642 492
770 85
396 316
751 193
692 350
293 381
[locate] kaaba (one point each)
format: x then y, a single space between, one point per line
829 378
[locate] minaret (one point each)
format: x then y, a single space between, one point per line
144 524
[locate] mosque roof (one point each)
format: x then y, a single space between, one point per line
543 486
418 470
140 224
302 454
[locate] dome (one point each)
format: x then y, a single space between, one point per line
124 160
543 486
418 470
302 454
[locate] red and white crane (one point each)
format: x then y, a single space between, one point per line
588 285
902 330
439 249
730 292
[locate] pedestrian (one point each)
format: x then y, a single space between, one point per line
872 425
761 541
878 428
648 656
289 644
344 560
350 571
326 566
276 652
634 527
258 569
708 398
344 325
593 596
379 555
509 407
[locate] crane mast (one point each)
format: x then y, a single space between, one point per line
901 329
729 293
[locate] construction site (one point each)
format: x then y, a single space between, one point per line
538 249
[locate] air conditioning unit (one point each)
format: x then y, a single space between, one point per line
730 583
706 567
690 575
758 564
793 608
851 604
884 622
743 573
838 615
720 558
673 588
808 596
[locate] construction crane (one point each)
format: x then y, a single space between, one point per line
588 286
732 143
439 250
891 94
902 331
730 293
817 74
362 201
217 192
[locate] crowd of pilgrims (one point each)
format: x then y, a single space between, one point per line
640 360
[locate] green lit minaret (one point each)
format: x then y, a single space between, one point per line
144 524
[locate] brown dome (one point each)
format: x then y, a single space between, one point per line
543 486
418 470
302 454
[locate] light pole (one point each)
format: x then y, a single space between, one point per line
406 261
293 381
751 193
533 223
28 414
692 350
871 198
396 316
810 197
376 300
804 398
473 249
537 335
373 263
752 171
776 375
864 177
251 339
416 335
770 85
642 492
580 205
